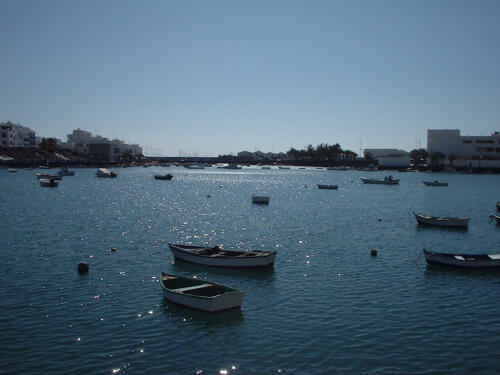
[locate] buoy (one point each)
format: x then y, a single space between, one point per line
114 249
379 219
83 268
373 252
208 196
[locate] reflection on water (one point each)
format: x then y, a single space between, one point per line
434 270
265 273
221 318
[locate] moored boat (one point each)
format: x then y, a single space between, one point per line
194 166
435 183
496 217
386 181
320 186
260 199
200 294
498 206
217 257
12 170
167 176
46 182
105 173
48 176
442 221
266 167
283 167
463 260
65 172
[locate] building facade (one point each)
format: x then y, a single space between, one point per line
390 157
450 142
15 135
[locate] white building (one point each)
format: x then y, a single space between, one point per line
15 135
389 157
467 150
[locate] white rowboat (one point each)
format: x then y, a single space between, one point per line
214 256
200 294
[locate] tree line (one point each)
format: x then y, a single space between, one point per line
323 151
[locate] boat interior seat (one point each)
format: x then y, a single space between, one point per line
188 288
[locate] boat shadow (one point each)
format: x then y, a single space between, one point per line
442 269
221 318
264 273
425 227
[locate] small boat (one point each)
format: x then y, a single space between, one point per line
195 166
12 170
496 217
105 173
232 166
49 182
48 176
283 167
320 186
217 257
200 294
435 183
266 167
167 176
302 167
386 181
259 199
442 221
65 172
463 260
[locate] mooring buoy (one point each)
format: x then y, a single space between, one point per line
373 252
83 268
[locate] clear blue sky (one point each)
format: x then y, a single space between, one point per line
216 77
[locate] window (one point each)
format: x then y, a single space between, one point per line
490 149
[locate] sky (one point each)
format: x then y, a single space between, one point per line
216 77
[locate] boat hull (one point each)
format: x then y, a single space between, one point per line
380 182
463 260
435 183
266 260
442 221
260 200
334 187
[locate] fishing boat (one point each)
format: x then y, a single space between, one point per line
320 186
463 260
435 183
48 176
259 199
200 294
232 166
12 170
46 182
386 181
167 176
105 173
283 167
217 257
65 172
194 166
442 221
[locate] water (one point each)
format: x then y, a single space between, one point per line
326 307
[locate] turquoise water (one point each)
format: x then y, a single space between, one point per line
327 307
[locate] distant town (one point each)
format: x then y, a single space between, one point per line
446 149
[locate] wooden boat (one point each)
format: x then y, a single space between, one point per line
214 256
65 172
48 176
435 183
386 181
200 294
320 186
49 182
259 199
442 221
283 167
167 176
463 260
105 173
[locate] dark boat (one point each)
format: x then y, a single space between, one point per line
463 260
167 176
